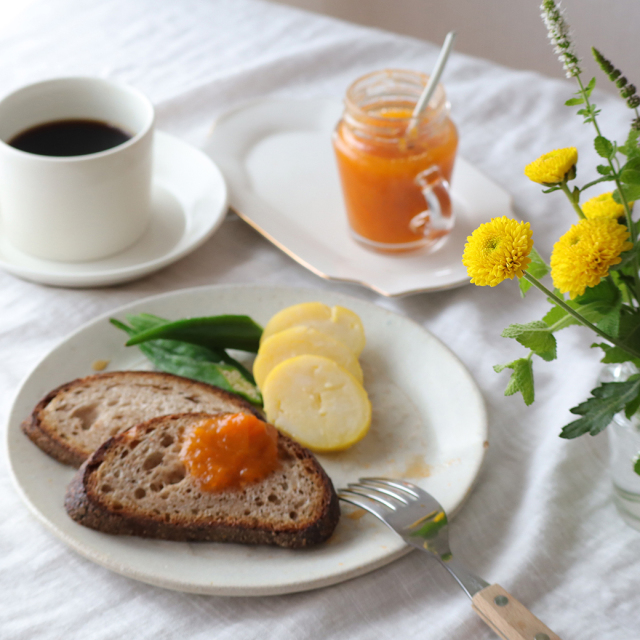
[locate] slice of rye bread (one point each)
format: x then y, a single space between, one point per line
137 484
72 421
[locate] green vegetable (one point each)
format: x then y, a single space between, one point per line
213 332
221 375
145 321
211 365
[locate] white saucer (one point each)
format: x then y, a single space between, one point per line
277 158
189 202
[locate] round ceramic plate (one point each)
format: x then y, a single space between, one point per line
188 203
277 158
429 426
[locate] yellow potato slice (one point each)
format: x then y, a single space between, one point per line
337 322
317 402
298 341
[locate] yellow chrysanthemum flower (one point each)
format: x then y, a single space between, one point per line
552 167
497 250
583 255
602 206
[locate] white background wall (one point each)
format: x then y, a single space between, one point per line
509 32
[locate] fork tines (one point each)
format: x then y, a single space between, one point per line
401 485
378 490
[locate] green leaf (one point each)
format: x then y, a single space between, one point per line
573 101
633 164
592 310
630 147
538 268
521 379
598 411
630 328
626 258
610 323
625 280
629 176
551 190
603 300
590 87
603 147
535 336
631 193
589 113
221 375
604 297
612 354
631 407
603 169
636 466
557 318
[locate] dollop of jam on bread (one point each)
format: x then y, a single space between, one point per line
230 451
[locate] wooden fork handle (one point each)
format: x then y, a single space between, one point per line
509 618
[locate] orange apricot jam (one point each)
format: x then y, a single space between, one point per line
379 162
230 451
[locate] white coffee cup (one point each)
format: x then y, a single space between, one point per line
84 207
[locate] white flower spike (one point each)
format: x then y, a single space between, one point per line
559 34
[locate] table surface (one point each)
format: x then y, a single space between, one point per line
540 520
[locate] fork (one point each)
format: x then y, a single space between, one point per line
419 519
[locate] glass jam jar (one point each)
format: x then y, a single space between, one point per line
395 173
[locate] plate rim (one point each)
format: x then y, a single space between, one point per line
110 276
327 101
104 560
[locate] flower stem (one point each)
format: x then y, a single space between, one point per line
576 206
578 316
627 212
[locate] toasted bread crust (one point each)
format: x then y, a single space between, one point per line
83 504
37 432
42 435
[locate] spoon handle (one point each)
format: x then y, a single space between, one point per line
509 618
432 83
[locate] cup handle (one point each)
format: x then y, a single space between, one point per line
437 220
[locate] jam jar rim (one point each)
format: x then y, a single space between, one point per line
393 128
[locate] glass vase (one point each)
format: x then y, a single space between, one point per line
624 451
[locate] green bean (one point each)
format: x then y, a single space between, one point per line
146 321
213 366
212 332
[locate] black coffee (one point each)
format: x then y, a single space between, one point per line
69 138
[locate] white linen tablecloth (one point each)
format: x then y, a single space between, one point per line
540 520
